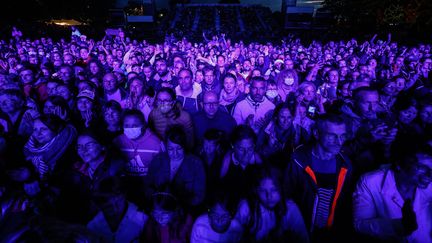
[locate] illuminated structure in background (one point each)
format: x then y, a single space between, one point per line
300 14
132 12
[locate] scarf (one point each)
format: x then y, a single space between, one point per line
44 157
227 99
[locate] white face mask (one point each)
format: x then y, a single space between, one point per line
165 108
132 132
289 80
271 94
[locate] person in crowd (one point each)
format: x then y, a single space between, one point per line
218 224
169 222
162 77
230 95
328 90
66 75
287 84
380 84
240 162
96 161
187 91
139 146
302 117
256 108
210 82
278 138
211 117
58 106
112 89
66 93
118 220
49 148
112 112
178 170
318 180
307 95
87 116
18 118
393 203
425 117
267 216
371 132
167 113
405 110
139 98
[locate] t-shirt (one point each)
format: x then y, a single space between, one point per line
202 232
139 153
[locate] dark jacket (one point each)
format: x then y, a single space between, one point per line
221 121
301 186
188 184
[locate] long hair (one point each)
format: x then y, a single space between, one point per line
168 202
254 203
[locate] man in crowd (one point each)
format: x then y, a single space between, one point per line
187 91
317 178
256 108
212 117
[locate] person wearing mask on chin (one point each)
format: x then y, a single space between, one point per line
167 113
138 145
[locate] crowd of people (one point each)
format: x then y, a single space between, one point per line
120 140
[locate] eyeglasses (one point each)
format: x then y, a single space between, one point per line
211 103
87 146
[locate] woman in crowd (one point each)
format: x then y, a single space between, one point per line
287 82
58 106
218 223
112 113
405 110
168 221
178 170
240 162
18 119
139 146
49 147
168 113
138 97
278 139
425 117
87 113
357 64
230 94
307 95
266 216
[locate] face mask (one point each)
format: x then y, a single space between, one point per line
271 94
165 108
133 132
163 219
289 80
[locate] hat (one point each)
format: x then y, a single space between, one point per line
87 94
279 61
